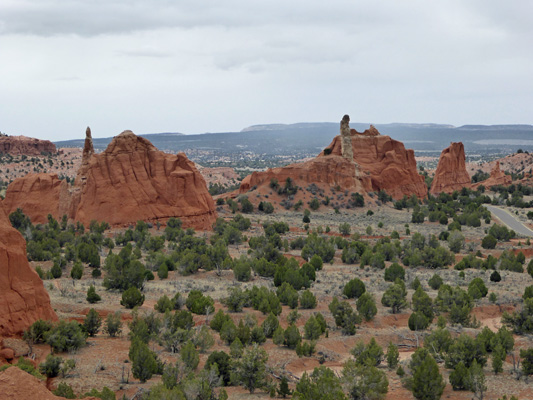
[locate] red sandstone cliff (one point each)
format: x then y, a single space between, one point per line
451 171
18 145
131 180
379 163
23 299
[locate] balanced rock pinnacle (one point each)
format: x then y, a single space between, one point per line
346 138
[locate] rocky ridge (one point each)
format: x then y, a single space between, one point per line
23 145
372 163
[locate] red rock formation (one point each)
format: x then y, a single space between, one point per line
130 181
497 177
379 163
23 299
38 195
451 171
17 384
18 145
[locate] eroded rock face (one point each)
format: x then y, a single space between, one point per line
19 145
23 299
38 195
497 177
130 181
378 163
19 385
451 171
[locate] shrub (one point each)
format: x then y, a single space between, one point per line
92 322
162 272
164 304
366 305
393 272
92 296
477 288
418 321
132 298
435 282
489 242
354 288
197 303
307 300
66 336
51 366
113 324
77 271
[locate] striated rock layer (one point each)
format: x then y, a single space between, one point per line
131 180
451 171
23 299
378 163
19 145
497 177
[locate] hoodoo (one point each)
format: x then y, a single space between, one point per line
451 171
356 161
131 180
23 299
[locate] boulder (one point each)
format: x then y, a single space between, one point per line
451 171
22 145
497 177
130 181
377 163
23 299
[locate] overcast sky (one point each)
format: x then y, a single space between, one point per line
196 66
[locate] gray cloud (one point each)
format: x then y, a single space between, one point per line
165 64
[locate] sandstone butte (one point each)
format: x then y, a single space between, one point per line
131 180
16 384
451 171
23 299
379 163
497 177
22 145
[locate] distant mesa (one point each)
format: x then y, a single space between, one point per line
451 171
23 299
357 161
22 145
131 180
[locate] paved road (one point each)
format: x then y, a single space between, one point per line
508 219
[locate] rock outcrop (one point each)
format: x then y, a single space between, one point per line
378 163
130 181
39 195
17 384
22 145
346 138
451 171
23 299
497 177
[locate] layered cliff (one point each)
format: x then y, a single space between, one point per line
451 171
